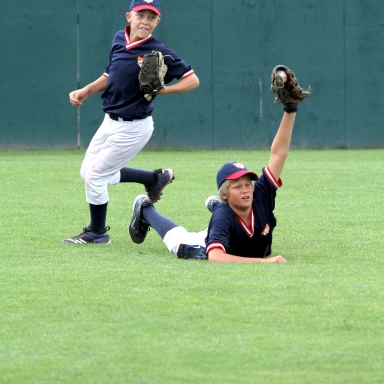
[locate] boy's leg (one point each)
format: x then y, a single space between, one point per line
103 152
154 181
144 215
135 175
184 244
113 145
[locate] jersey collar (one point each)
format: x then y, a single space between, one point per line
128 44
248 230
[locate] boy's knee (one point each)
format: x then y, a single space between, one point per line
84 174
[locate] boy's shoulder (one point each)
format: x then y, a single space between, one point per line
160 45
119 36
223 212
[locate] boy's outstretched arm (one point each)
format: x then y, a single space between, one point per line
217 255
77 97
289 93
281 143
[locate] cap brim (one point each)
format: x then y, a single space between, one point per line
239 174
142 7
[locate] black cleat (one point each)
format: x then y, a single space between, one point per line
211 202
163 178
137 229
89 237
186 251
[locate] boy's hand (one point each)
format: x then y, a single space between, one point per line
276 259
76 98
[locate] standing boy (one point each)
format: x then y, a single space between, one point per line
128 124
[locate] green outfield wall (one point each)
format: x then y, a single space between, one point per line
49 48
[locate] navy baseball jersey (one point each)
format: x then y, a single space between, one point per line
229 232
124 66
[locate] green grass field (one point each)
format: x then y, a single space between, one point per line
127 313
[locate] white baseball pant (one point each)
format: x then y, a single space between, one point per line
112 146
179 235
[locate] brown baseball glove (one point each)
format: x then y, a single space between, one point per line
287 89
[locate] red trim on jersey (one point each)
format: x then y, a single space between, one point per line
128 44
248 230
189 73
272 179
105 75
215 245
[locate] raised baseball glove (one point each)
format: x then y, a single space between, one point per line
286 88
152 72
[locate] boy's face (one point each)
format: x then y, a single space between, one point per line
240 193
142 23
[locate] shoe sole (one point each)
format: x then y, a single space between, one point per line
134 237
208 203
137 198
171 176
84 243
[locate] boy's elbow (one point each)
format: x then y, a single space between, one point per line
196 82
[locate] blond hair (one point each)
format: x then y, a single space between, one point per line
223 190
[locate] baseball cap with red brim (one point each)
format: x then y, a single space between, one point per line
140 5
232 171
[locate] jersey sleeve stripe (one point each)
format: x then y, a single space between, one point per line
272 179
189 73
215 245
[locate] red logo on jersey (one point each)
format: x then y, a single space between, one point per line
266 230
